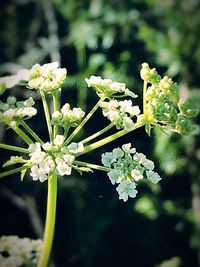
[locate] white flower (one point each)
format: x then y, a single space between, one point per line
37 157
126 189
47 77
128 124
140 158
47 165
107 159
136 175
35 147
148 164
29 102
38 174
113 115
153 176
118 153
107 86
9 81
23 74
56 115
130 93
9 114
59 140
48 67
62 167
69 159
65 108
125 106
47 146
127 149
115 176
75 148
93 81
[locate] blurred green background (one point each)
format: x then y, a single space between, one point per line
112 38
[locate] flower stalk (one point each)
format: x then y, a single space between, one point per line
50 221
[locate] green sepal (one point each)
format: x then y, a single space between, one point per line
148 129
14 160
23 172
85 169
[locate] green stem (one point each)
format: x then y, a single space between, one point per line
107 140
50 221
31 132
55 107
76 131
46 112
14 148
144 96
66 131
19 169
22 135
97 134
92 166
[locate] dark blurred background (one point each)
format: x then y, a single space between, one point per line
112 38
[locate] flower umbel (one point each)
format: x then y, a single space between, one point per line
128 167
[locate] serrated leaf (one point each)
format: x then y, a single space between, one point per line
148 129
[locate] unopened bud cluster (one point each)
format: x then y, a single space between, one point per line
128 167
19 252
106 87
120 113
13 109
47 77
163 105
67 117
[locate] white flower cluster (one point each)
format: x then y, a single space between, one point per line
12 80
128 167
47 77
120 113
55 157
108 88
67 117
14 109
15 251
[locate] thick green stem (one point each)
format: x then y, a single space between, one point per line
106 140
77 130
92 166
31 132
19 169
14 148
46 112
55 108
97 134
51 202
50 221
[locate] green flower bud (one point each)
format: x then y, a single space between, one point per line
188 108
185 126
